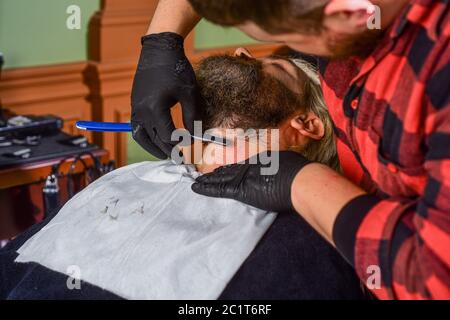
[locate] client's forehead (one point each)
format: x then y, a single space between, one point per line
285 71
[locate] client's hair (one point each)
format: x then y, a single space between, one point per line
237 93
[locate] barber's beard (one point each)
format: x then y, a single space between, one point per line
361 45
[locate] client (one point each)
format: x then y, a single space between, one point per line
141 233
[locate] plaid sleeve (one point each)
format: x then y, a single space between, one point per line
407 240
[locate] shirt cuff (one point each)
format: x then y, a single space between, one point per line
348 222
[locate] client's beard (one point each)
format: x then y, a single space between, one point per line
361 45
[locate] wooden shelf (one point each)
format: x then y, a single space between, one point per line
38 172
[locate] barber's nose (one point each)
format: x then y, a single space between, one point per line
242 52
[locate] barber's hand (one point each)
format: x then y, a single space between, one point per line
245 183
164 77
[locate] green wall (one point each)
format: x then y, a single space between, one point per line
209 35
34 32
136 153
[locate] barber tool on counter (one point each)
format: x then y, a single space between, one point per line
39 139
30 138
37 145
22 137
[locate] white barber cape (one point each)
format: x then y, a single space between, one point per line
142 233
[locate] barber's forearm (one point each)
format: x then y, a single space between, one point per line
319 194
174 16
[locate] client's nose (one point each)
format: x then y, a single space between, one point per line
242 51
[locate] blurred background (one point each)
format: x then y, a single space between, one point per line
35 42
71 60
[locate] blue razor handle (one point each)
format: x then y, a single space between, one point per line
104 126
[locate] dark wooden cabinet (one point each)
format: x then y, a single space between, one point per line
21 201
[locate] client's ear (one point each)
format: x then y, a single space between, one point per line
309 125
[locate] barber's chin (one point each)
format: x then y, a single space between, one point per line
360 46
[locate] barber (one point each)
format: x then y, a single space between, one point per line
389 214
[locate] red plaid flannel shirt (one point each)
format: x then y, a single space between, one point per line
392 122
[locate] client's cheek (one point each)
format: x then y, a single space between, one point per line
240 151
218 155
246 149
227 155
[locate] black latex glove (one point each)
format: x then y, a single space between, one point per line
164 77
245 183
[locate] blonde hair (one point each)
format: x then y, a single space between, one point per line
324 150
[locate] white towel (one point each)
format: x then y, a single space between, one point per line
142 233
